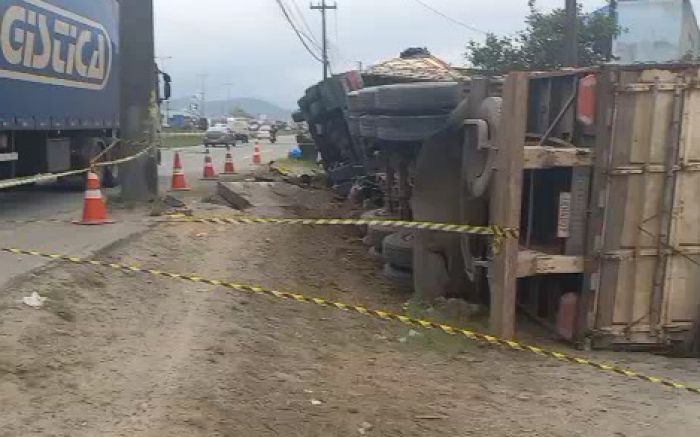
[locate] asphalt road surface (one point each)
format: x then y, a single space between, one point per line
52 201
193 159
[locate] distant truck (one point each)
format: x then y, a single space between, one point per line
59 85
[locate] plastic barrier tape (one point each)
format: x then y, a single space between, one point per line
384 315
398 224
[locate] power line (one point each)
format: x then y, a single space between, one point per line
298 33
305 23
447 17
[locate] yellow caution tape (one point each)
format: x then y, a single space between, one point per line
384 315
495 231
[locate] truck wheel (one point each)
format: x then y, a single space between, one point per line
368 126
366 101
402 278
376 233
409 128
398 249
419 98
354 102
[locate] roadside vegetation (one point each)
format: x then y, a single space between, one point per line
541 44
172 141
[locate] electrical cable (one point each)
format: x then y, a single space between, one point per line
310 33
298 33
447 17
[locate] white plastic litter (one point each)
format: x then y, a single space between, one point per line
35 300
364 428
316 402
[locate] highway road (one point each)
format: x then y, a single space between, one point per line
50 201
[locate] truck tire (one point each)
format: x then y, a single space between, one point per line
376 233
354 102
409 128
368 126
402 278
419 98
354 125
479 163
366 102
398 249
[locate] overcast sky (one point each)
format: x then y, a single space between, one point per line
249 44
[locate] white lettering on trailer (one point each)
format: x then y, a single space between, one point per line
55 54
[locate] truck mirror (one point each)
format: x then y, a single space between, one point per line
167 91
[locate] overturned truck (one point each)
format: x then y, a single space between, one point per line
597 168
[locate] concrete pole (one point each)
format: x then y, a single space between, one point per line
570 57
139 108
323 7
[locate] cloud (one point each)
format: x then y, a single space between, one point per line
248 42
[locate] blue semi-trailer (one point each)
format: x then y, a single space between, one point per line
59 84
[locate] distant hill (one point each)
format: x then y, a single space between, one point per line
218 108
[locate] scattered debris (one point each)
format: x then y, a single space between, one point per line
431 417
35 300
364 428
411 334
173 202
316 402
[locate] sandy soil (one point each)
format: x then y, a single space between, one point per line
116 354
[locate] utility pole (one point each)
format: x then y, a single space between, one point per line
612 12
323 7
570 57
138 178
203 95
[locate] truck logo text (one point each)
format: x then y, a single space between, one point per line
40 42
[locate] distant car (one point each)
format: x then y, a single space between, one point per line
219 135
202 123
264 133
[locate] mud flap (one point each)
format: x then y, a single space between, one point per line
437 258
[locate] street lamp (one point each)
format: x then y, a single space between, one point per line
228 86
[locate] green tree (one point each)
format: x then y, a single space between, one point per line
541 45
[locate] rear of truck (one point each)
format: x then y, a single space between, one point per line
59 85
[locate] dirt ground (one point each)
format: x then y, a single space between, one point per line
117 354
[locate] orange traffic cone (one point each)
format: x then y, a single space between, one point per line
229 167
257 156
94 207
179 183
209 173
